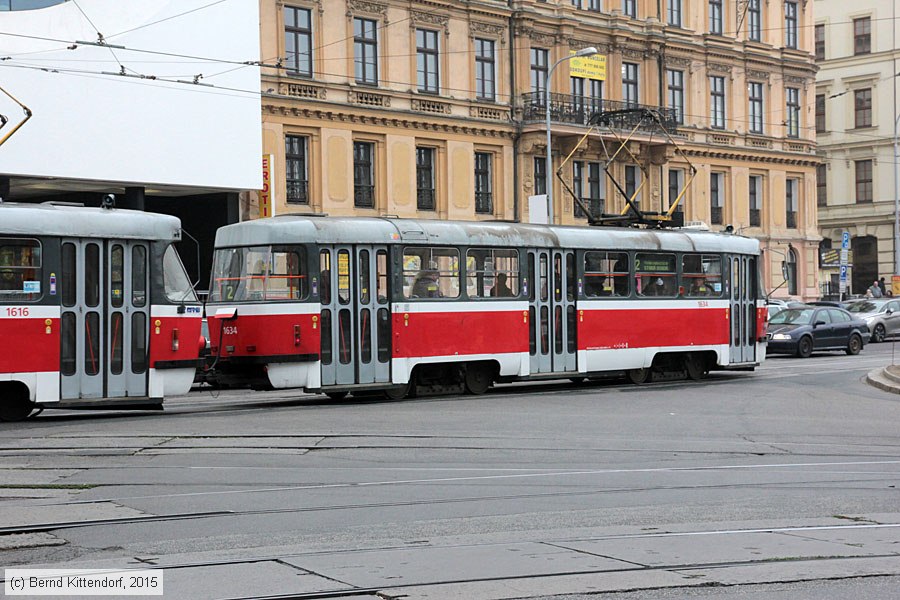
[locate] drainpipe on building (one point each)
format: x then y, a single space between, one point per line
512 114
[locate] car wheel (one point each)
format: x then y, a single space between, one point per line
878 334
805 347
854 345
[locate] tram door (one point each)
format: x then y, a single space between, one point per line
743 309
355 319
105 319
552 315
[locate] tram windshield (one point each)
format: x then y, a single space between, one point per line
178 285
256 273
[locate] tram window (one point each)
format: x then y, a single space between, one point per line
67 350
384 335
532 277
326 337
570 276
557 279
343 287
69 281
492 273
655 274
570 329
557 330
381 265
543 284
178 286
138 343
91 343
139 276
365 335
345 336
286 277
605 274
116 335
325 277
226 274
532 341
545 330
701 275
430 272
20 270
364 277
117 276
92 275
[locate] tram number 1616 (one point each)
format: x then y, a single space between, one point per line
17 312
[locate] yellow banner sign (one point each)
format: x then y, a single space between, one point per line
589 67
266 197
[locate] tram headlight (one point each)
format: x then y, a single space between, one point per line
781 336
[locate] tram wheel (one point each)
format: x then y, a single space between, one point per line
479 377
396 393
337 395
640 376
15 405
696 367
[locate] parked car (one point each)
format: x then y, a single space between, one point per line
800 331
834 303
774 309
882 316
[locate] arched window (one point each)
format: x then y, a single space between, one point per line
28 4
790 271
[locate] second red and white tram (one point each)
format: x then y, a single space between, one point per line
338 305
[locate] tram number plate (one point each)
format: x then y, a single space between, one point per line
229 330
17 312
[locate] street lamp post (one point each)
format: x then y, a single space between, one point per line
896 199
549 168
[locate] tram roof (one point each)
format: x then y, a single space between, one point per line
294 229
81 221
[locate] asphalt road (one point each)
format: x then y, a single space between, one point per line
778 483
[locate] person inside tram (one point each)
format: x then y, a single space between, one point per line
699 287
501 289
427 283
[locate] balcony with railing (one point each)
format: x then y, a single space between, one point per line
569 109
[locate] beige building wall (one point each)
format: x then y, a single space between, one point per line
330 110
843 142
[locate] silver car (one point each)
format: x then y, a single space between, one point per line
882 315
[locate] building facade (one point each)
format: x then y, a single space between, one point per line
856 111
436 109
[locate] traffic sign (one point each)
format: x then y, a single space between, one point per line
845 239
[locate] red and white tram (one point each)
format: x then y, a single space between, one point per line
356 304
96 310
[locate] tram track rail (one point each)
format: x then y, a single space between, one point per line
201 515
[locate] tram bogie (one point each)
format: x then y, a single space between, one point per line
338 305
96 310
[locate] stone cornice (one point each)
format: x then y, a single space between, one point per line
397 119
750 156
